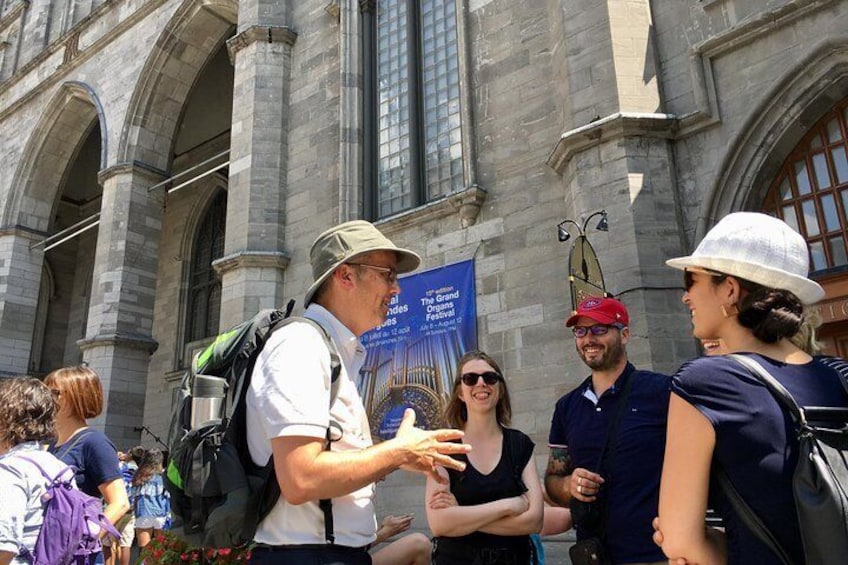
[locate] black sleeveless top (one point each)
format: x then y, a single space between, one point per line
471 487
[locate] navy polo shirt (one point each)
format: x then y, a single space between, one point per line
633 469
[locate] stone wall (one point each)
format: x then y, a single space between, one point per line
666 114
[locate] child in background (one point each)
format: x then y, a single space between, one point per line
151 502
121 548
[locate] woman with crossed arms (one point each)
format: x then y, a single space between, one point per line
486 513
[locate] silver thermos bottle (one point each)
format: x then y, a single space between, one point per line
207 400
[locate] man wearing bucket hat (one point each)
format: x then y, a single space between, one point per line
746 284
355 269
606 441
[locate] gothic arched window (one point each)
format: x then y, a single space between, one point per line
811 191
204 295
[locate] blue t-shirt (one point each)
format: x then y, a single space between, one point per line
756 443
633 467
93 455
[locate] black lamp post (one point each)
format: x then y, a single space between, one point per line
584 271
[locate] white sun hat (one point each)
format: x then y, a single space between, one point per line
758 248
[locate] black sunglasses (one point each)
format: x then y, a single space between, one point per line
489 377
689 280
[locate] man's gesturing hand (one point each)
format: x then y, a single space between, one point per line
423 450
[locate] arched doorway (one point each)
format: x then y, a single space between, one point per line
810 193
58 198
70 261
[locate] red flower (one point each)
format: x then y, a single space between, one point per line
168 548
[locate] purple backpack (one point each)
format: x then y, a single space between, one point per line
70 533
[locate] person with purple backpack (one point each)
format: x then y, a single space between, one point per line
26 421
37 490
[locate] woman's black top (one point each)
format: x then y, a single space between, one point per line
471 487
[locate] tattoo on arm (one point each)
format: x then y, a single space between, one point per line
559 462
559 467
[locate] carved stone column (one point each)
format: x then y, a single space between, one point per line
20 277
118 340
254 258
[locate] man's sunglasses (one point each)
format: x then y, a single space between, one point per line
597 329
489 377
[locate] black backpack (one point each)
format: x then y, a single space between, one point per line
217 490
820 481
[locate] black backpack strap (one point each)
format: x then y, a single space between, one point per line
284 318
325 504
777 390
335 362
612 442
746 513
749 517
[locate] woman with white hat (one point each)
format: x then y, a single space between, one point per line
746 285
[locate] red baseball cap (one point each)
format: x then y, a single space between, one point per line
602 310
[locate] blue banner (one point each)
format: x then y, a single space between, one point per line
413 355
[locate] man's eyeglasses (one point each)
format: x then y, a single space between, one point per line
597 329
489 377
391 275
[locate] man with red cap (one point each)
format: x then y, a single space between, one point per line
607 440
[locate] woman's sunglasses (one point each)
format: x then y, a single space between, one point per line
689 280
489 377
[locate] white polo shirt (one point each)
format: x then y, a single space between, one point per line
289 395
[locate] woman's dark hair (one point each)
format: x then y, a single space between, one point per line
770 313
27 411
136 453
456 413
149 465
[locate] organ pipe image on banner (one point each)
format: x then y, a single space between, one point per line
412 356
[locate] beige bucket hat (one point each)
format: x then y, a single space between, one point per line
345 241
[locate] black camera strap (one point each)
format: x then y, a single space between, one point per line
612 435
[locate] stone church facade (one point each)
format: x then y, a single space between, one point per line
167 163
